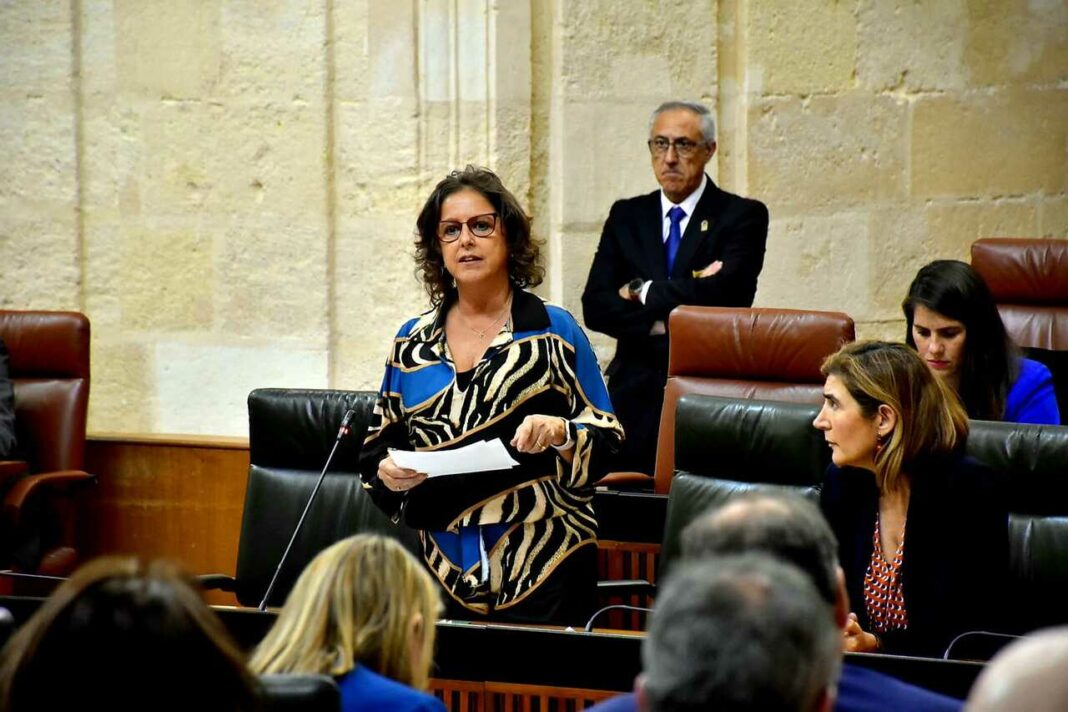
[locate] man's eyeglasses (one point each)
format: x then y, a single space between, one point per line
479 225
684 147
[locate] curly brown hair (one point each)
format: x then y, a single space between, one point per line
524 255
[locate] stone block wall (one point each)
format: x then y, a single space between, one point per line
228 188
884 135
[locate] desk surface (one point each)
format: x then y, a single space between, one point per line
601 660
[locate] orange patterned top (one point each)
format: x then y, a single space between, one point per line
884 599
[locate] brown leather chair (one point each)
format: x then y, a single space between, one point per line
1029 282
762 354
49 367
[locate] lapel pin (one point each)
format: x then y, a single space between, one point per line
704 226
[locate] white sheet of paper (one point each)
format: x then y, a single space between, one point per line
478 457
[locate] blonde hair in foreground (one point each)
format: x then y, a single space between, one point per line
930 418
357 602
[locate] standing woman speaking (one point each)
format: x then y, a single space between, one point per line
492 360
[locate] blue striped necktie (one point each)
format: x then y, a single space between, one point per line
676 214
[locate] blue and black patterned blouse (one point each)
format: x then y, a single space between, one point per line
521 522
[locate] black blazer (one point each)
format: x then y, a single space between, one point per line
723 227
956 556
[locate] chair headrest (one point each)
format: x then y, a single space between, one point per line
749 441
46 344
692 495
765 344
1033 460
1023 271
295 428
307 693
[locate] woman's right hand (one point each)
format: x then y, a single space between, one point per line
855 639
398 479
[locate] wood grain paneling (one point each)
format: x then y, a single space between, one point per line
462 696
182 497
166 496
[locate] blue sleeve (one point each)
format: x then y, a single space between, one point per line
386 429
594 427
1031 398
587 370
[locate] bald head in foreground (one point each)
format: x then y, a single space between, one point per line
1031 674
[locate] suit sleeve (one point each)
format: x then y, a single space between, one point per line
603 309
735 284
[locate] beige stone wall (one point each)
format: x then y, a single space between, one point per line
228 188
886 134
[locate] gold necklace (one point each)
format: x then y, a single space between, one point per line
481 334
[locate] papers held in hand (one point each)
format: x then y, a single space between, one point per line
482 456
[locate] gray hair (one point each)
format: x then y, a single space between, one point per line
708 124
783 525
740 633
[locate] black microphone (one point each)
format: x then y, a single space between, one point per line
345 429
346 422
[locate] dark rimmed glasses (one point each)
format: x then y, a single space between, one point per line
684 147
479 225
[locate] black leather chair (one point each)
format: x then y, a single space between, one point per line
1034 461
299 693
726 445
291 433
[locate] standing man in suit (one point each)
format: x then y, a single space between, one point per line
687 243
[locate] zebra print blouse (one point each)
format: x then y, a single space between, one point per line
526 520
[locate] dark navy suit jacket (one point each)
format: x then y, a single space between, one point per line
723 227
859 690
956 555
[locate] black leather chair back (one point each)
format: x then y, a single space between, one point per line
724 446
291 433
1034 462
727 446
299 693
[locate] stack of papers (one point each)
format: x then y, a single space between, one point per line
482 456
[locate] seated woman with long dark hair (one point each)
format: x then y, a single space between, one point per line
122 634
922 532
364 612
954 324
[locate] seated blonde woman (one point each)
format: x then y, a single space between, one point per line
363 611
922 529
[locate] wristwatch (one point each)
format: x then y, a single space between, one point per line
634 288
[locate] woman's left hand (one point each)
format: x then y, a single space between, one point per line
855 639
537 433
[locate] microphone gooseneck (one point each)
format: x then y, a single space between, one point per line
345 429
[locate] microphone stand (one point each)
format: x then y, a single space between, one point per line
344 430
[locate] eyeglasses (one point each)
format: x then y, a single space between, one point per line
684 147
479 225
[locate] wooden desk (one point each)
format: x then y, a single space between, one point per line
181 497
477 666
